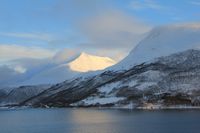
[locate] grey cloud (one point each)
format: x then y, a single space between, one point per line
76 9
12 51
103 26
112 30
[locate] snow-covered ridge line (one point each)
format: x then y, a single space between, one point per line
162 41
86 62
61 67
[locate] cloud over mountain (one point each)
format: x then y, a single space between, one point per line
12 51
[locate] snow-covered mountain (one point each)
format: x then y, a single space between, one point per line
62 66
163 41
162 71
70 68
164 82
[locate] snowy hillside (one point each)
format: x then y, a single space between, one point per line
71 68
166 81
163 41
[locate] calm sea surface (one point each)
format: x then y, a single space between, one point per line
98 121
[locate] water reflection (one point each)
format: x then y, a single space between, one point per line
85 116
93 121
98 121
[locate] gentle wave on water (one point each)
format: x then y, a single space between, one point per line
98 121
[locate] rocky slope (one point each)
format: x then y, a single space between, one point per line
15 96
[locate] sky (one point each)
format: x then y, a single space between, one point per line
41 28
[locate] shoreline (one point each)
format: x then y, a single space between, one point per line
176 107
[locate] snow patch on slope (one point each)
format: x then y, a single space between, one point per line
96 100
109 87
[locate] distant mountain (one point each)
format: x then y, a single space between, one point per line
14 96
71 68
64 65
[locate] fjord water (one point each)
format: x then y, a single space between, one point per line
99 121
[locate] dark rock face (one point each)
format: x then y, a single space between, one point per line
170 80
17 95
62 95
3 94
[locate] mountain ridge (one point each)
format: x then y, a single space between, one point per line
53 70
162 77
85 62
159 82
79 64
162 41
